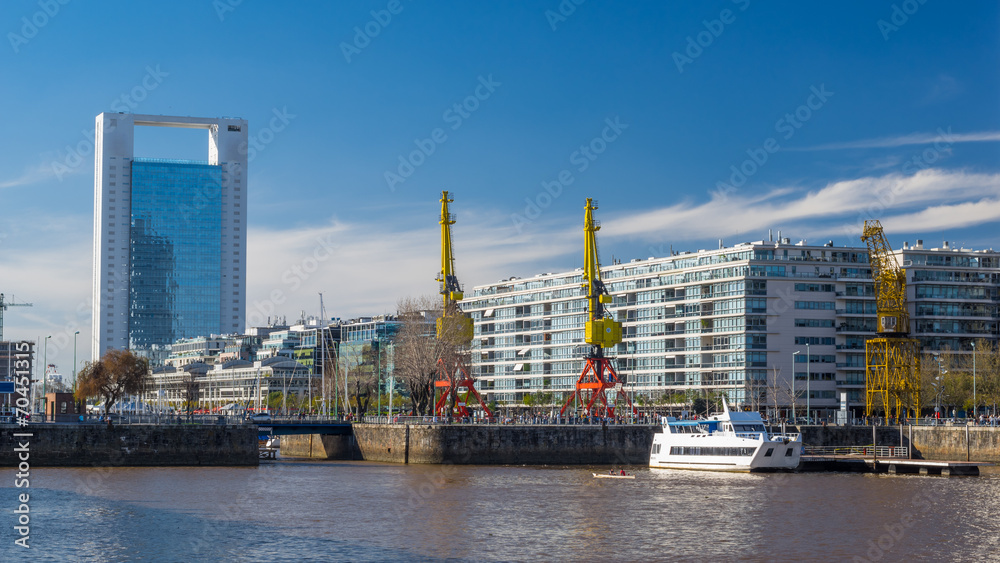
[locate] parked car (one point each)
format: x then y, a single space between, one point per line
261 417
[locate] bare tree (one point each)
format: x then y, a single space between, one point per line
360 373
417 350
782 391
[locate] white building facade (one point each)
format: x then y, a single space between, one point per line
739 320
169 236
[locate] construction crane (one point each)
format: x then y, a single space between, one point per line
892 359
3 307
454 388
601 331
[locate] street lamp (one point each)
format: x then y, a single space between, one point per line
808 378
45 376
975 406
937 396
796 353
75 334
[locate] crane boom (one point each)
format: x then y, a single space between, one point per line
892 360
890 282
600 332
3 307
453 388
452 324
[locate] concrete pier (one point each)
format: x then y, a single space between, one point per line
84 445
491 444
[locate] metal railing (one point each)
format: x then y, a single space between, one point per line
860 451
511 420
179 418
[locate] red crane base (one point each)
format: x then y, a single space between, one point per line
449 383
598 376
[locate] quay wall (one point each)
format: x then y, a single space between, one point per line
83 445
628 444
491 444
320 446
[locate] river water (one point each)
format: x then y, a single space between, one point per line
290 510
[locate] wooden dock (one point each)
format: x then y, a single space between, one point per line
892 465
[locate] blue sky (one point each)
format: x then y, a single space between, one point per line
688 122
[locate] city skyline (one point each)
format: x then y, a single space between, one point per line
672 117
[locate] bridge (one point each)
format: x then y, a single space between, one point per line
293 427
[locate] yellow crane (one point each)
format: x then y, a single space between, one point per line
3 307
454 331
600 331
892 359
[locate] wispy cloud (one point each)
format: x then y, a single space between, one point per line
30 176
363 269
907 140
822 212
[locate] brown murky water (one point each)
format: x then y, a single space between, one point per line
336 511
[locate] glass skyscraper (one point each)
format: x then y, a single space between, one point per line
172 294
169 238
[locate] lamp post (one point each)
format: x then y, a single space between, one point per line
45 376
937 395
975 406
75 334
378 384
392 383
808 378
795 353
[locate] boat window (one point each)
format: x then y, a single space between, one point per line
769 452
788 452
688 429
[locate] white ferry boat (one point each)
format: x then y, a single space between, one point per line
731 441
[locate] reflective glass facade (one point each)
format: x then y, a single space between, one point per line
175 257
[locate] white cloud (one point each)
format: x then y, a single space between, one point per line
816 212
941 137
364 269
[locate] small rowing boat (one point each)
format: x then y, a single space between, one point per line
613 476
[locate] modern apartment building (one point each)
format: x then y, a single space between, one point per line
741 320
169 237
954 294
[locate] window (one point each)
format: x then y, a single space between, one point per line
814 323
822 305
769 452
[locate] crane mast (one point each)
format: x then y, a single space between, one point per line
892 359
453 325
599 376
453 387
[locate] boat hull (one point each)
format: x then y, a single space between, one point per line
693 452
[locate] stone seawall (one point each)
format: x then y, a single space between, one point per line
82 445
492 444
581 445
320 446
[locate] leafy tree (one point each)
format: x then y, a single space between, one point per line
118 373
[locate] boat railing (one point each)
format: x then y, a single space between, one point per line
750 435
785 437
